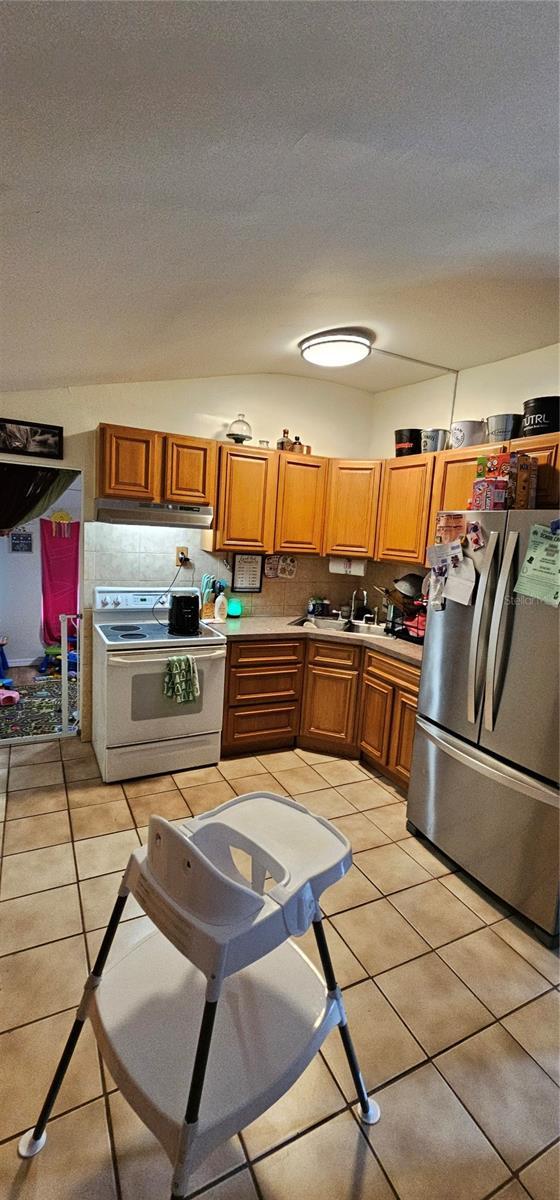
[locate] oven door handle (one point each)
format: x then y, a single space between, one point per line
141 658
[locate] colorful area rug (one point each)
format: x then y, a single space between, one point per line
39 708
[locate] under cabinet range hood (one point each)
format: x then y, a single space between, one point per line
139 512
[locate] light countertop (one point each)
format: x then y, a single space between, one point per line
236 628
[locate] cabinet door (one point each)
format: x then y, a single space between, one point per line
402 735
130 462
351 510
190 470
377 707
454 474
301 503
405 503
545 450
247 499
329 707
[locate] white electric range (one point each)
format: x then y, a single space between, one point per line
137 730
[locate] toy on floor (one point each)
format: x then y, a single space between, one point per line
212 1016
8 698
51 664
4 664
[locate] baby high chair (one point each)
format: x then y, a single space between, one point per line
216 1013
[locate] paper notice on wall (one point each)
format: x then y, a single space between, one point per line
540 573
459 584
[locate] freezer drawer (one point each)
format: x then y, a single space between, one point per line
497 823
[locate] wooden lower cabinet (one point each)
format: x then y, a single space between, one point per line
262 700
402 735
388 699
329 709
274 700
376 713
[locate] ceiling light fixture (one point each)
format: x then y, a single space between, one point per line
336 347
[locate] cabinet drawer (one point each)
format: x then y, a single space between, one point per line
260 725
392 669
263 683
334 654
257 653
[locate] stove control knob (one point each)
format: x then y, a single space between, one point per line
116 603
104 602
161 602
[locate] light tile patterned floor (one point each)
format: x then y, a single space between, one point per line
454 1007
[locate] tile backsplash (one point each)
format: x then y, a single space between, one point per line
132 555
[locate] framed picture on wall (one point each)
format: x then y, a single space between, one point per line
31 439
247 573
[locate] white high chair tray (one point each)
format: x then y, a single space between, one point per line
271 1019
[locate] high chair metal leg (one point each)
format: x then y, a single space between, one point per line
34 1140
369 1110
181 1168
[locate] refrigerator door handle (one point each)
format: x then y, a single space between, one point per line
495 627
476 627
481 762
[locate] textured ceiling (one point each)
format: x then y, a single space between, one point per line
190 188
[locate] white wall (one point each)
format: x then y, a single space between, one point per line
20 586
420 405
495 387
501 387
334 419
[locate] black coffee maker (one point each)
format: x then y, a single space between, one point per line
184 613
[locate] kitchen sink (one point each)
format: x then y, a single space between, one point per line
338 625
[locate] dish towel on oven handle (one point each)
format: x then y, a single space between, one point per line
180 681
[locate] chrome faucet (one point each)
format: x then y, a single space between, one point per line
362 595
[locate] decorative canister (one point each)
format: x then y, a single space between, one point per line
541 415
468 433
503 426
408 441
434 439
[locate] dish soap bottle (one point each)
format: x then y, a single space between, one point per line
220 606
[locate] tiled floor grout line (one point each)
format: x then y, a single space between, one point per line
483 1131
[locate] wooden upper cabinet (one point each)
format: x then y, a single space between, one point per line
129 463
454 474
546 450
190 470
405 504
246 499
351 508
300 508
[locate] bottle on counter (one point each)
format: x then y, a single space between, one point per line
285 442
297 446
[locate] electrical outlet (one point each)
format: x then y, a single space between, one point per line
181 556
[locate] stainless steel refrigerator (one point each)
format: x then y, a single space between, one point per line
484 779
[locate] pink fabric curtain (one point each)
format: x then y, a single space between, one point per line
60 564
